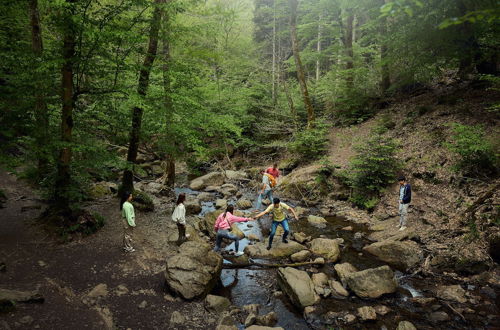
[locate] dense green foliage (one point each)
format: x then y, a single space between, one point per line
223 81
476 155
372 169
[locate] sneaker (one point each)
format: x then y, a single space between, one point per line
239 254
285 241
402 228
187 235
269 247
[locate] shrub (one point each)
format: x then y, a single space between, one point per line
384 124
476 153
372 169
310 144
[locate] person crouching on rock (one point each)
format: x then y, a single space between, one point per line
179 217
279 218
128 216
223 226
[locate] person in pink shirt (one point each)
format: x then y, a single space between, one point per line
274 171
223 227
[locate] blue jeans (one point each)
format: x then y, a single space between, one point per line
226 234
275 225
267 193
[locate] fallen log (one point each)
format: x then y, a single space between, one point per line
264 265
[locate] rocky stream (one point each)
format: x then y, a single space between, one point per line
349 280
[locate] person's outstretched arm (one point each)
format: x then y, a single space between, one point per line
269 208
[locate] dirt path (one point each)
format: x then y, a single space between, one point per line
130 289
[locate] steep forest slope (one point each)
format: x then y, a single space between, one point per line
421 121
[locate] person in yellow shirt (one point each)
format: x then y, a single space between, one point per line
279 218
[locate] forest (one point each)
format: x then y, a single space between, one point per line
153 99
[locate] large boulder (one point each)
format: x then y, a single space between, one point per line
326 248
192 205
194 270
301 256
343 270
297 285
402 255
451 293
279 250
316 221
244 204
210 179
206 225
228 189
236 175
205 196
373 282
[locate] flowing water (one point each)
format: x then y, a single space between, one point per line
259 286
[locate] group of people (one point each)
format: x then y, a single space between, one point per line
224 221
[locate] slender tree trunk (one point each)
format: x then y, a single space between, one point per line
169 109
63 180
300 69
289 99
274 89
41 115
386 77
348 48
318 49
128 174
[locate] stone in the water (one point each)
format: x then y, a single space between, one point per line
451 293
343 270
251 318
349 318
278 250
267 320
316 221
216 304
221 203
193 271
406 325
253 237
177 319
244 204
326 248
402 255
367 313
252 308
338 290
348 228
301 237
438 317
193 205
205 196
210 179
320 279
301 256
319 261
382 310
297 285
373 282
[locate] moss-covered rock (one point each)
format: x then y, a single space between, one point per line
142 201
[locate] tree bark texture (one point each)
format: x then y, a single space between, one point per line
128 174
318 49
300 68
63 179
169 109
348 38
41 116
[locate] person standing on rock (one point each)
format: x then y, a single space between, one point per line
404 201
128 216
179 217
279 218
266 189
274 171
223 227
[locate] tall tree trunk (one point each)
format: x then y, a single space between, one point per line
128 174
169 110
385 82
300 69
63 180
348 47
274 89
41 115
318 49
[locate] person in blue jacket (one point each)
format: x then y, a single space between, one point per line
404 201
